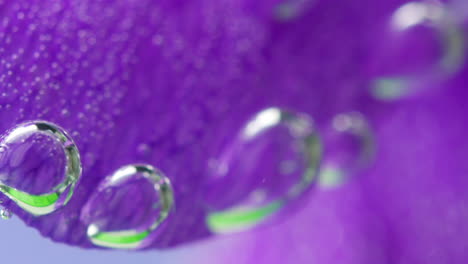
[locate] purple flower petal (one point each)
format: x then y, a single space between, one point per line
155 81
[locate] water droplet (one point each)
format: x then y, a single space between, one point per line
144 150
128 207
271 162
39 167
349 148
157 40
423 45
5 214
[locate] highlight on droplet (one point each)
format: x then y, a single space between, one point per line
272 162
39 167
128 207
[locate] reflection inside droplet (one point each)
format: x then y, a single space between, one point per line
39 167
349 148
128 207
271 162
423 45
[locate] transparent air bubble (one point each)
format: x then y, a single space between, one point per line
128 207
39 167
423 45
272 162
349 149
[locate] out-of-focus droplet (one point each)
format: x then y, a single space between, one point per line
287 10
39 167
128 207
422 46
5 214
349 148
272 162
143 150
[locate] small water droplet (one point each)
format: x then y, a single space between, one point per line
349 148
157 40
288 10
271 163
128 207
5 214
39 167
423 45
144 150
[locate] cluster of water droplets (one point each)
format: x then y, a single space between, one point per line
40 167
274 160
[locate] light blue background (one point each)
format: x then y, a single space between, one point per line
20 244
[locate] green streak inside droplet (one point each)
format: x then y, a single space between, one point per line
390 88
331 176
32 200
117 238
239 218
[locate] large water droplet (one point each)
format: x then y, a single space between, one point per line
128 207
271 162
39 167
423 45
349 149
